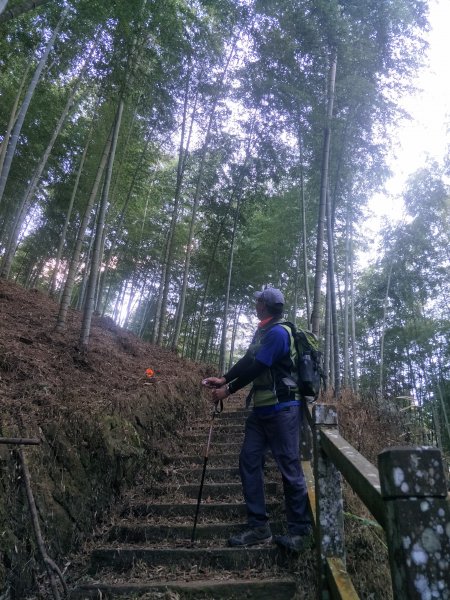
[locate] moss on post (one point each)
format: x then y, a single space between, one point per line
329 504
414 489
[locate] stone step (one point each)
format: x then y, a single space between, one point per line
237 413
212 473
191 447
148 553
215 490
232 416
230 426
235 437
281 588
226 458
220 510
214 460
124 558
157 533
222 474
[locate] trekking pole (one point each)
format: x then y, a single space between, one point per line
218 407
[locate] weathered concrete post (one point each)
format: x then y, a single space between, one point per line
306 446
329 505
414 489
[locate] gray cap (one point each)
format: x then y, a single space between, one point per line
270 296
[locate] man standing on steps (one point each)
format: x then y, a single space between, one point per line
273 423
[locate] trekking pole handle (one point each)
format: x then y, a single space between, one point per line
218 407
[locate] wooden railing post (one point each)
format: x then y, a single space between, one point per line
329 505
414 489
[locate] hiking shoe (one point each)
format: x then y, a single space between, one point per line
295 543
252 536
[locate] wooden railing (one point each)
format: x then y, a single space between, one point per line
408 497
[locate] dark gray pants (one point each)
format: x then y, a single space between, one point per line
279 432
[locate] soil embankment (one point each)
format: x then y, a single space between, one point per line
99 419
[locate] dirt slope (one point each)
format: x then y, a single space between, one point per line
99 419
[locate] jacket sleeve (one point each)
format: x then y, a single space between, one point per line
246 376
242 365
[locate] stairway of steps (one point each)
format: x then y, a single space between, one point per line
148 553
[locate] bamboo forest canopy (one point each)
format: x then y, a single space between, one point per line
162 160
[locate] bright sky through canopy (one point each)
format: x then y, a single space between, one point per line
427 133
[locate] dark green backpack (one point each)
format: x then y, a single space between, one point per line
309 366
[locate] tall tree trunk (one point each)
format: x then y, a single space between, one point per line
436 421
218 237
124 149
12 118
237 191
196 199
353 316
97 251
146 311
25 105
346 366
237 314
29 194
131 298
62 239
13 239
119 301
315 317
444 410
131 309
327 338
190 328
304 236
19 9
206 350
160 316
295 291
298 253
223 345
85 273
383 328
334 327
187 260
332 289
108 259
68 287
187 328
118 227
